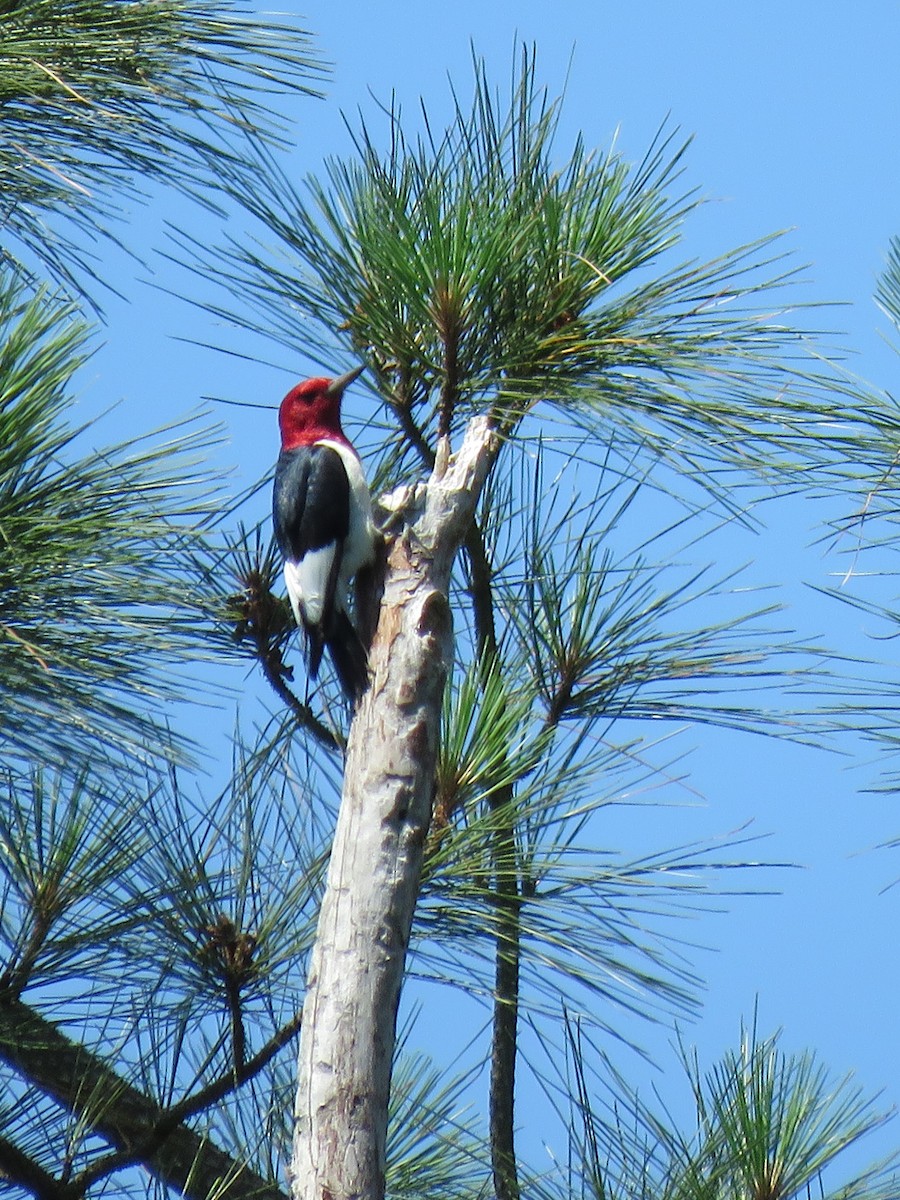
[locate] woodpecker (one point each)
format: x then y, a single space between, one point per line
322 514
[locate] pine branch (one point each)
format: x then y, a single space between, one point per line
71 1074
532 280
303 714
18 1168
256 615
98 97
96 537
173 1117
413 434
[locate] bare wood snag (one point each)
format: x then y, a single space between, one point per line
357 964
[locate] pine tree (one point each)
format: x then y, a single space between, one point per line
542 369
539 367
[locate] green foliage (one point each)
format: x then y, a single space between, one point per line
867 539
612 622
888 291
435 1146
99 97
93 611
770 1126
190 919
487 744
62 857
600 624
477 269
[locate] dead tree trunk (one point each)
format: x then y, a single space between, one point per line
349 1014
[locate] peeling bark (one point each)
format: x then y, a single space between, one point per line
356 971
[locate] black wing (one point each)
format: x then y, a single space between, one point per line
311 500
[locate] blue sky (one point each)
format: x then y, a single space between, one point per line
793 109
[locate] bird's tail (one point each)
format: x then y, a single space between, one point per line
351 662
315 644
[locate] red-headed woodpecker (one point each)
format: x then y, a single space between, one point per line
323 522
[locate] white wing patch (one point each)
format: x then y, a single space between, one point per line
307 583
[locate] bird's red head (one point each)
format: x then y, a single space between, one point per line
312 411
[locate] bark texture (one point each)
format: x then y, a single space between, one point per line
349 1015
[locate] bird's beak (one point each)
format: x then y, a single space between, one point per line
338 386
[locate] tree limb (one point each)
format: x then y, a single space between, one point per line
77 1079
18 1168
190 1105
261 621
303 714
414 434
